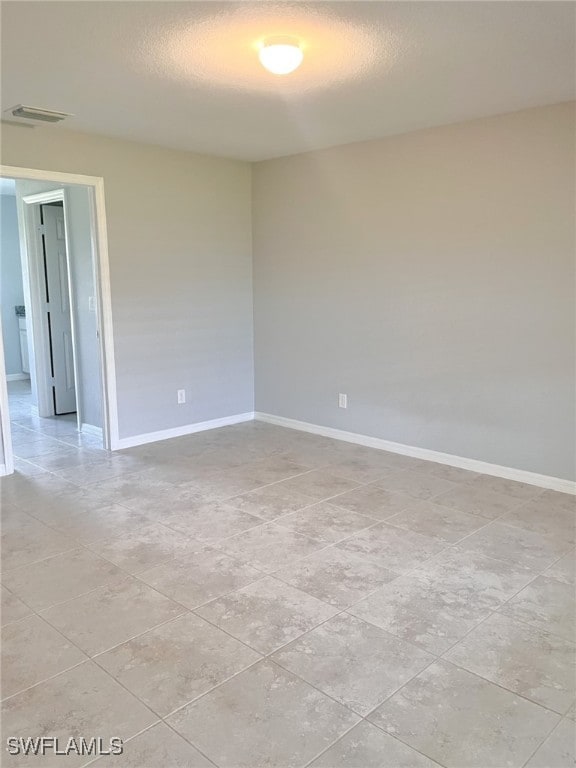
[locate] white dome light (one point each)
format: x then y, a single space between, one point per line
280 55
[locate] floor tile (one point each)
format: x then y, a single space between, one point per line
400 461
557 500
463 721
12 609
177 662
392 548
202 521
473 574
270 547
136 491
145 547
366 746
367 468
446 472
356 663
264 717
29 448
336 576
210 523
266 614
319 484
158 747
33 651
69 457
478 501
563 569
111 615
61 577
103 521
541 516
545 604
325 522
439 522
31 541
272 469
419 612
559 749
271 502
373 501
92 473
506 487
506 542
82 701
421 485
539 666
201 577
28 468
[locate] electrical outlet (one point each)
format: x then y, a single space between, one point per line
342 401
181 396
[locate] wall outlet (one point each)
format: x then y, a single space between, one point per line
342 401
181 396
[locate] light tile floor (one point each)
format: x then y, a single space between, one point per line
258 597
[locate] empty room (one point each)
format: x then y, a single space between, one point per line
287 384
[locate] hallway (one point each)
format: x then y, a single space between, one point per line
44 445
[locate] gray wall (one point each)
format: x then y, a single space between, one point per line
431 278
11 290
179 237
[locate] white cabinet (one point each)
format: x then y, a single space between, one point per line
24 344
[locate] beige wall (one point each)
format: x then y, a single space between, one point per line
431 278
180 260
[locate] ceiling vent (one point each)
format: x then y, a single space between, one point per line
43 115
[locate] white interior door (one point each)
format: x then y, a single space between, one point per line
58 310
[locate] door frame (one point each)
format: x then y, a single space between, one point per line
34 292
99 233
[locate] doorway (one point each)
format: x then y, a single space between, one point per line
67 331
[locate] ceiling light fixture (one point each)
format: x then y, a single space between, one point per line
280 55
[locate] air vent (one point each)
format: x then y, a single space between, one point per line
34 113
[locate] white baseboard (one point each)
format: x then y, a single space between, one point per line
509 473
17 377
3 471
90 429
187 429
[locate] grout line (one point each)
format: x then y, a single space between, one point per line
544 740
50 677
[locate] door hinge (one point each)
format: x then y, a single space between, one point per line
42 229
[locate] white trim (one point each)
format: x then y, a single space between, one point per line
103 293
6 437
509 473
33 258
41 198
187 429
90 429
17 377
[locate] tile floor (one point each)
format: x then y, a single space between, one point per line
258 597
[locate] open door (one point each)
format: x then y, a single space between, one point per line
58 310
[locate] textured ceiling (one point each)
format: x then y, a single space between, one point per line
186 74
